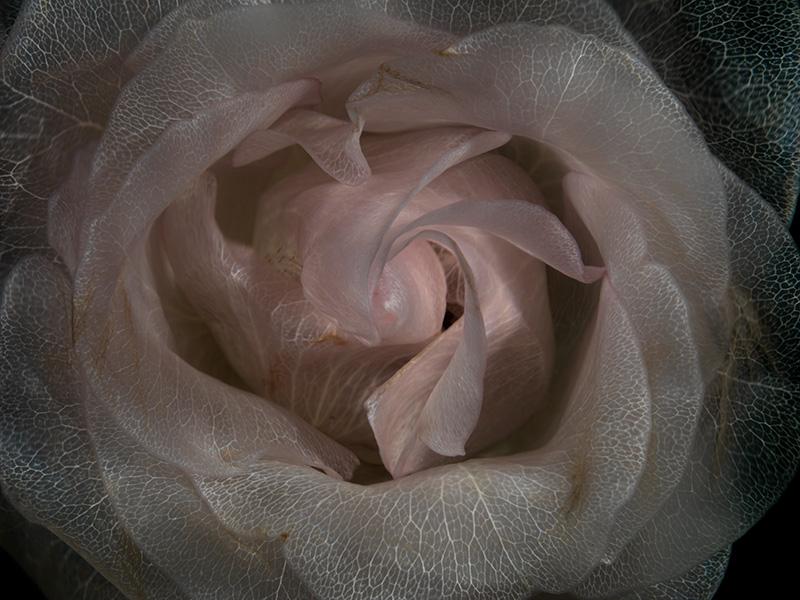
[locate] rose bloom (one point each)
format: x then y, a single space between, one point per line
373 299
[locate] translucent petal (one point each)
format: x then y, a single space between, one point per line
332 143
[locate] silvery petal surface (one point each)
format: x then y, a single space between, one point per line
675 433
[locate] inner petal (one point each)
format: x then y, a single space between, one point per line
371 242
409 301
430 409
283 349
350 223
412 423
455 396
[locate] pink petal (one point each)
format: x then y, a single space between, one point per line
410 297
452 409
437 398
442 417
532 228
350 223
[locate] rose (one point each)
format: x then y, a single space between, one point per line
129 434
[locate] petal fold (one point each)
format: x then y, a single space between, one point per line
331 142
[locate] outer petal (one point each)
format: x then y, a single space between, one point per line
746 447
49 464
184 415
662 318
61 71
52 563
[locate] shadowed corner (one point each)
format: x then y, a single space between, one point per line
16 578
31 553
759 566
758 561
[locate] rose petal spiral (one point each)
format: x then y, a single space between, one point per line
398 299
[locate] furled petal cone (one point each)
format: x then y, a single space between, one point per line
350 223
430 408
334 232
508 276
436 401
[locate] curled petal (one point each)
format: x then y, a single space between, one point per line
350 223
410 297
442 417
332 143
533 229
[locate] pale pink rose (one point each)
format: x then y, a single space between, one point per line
344 301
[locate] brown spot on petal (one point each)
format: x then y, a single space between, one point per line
747 337
276 377
577 484
395 74
391 80
332 338
80 306
227 455
446 53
